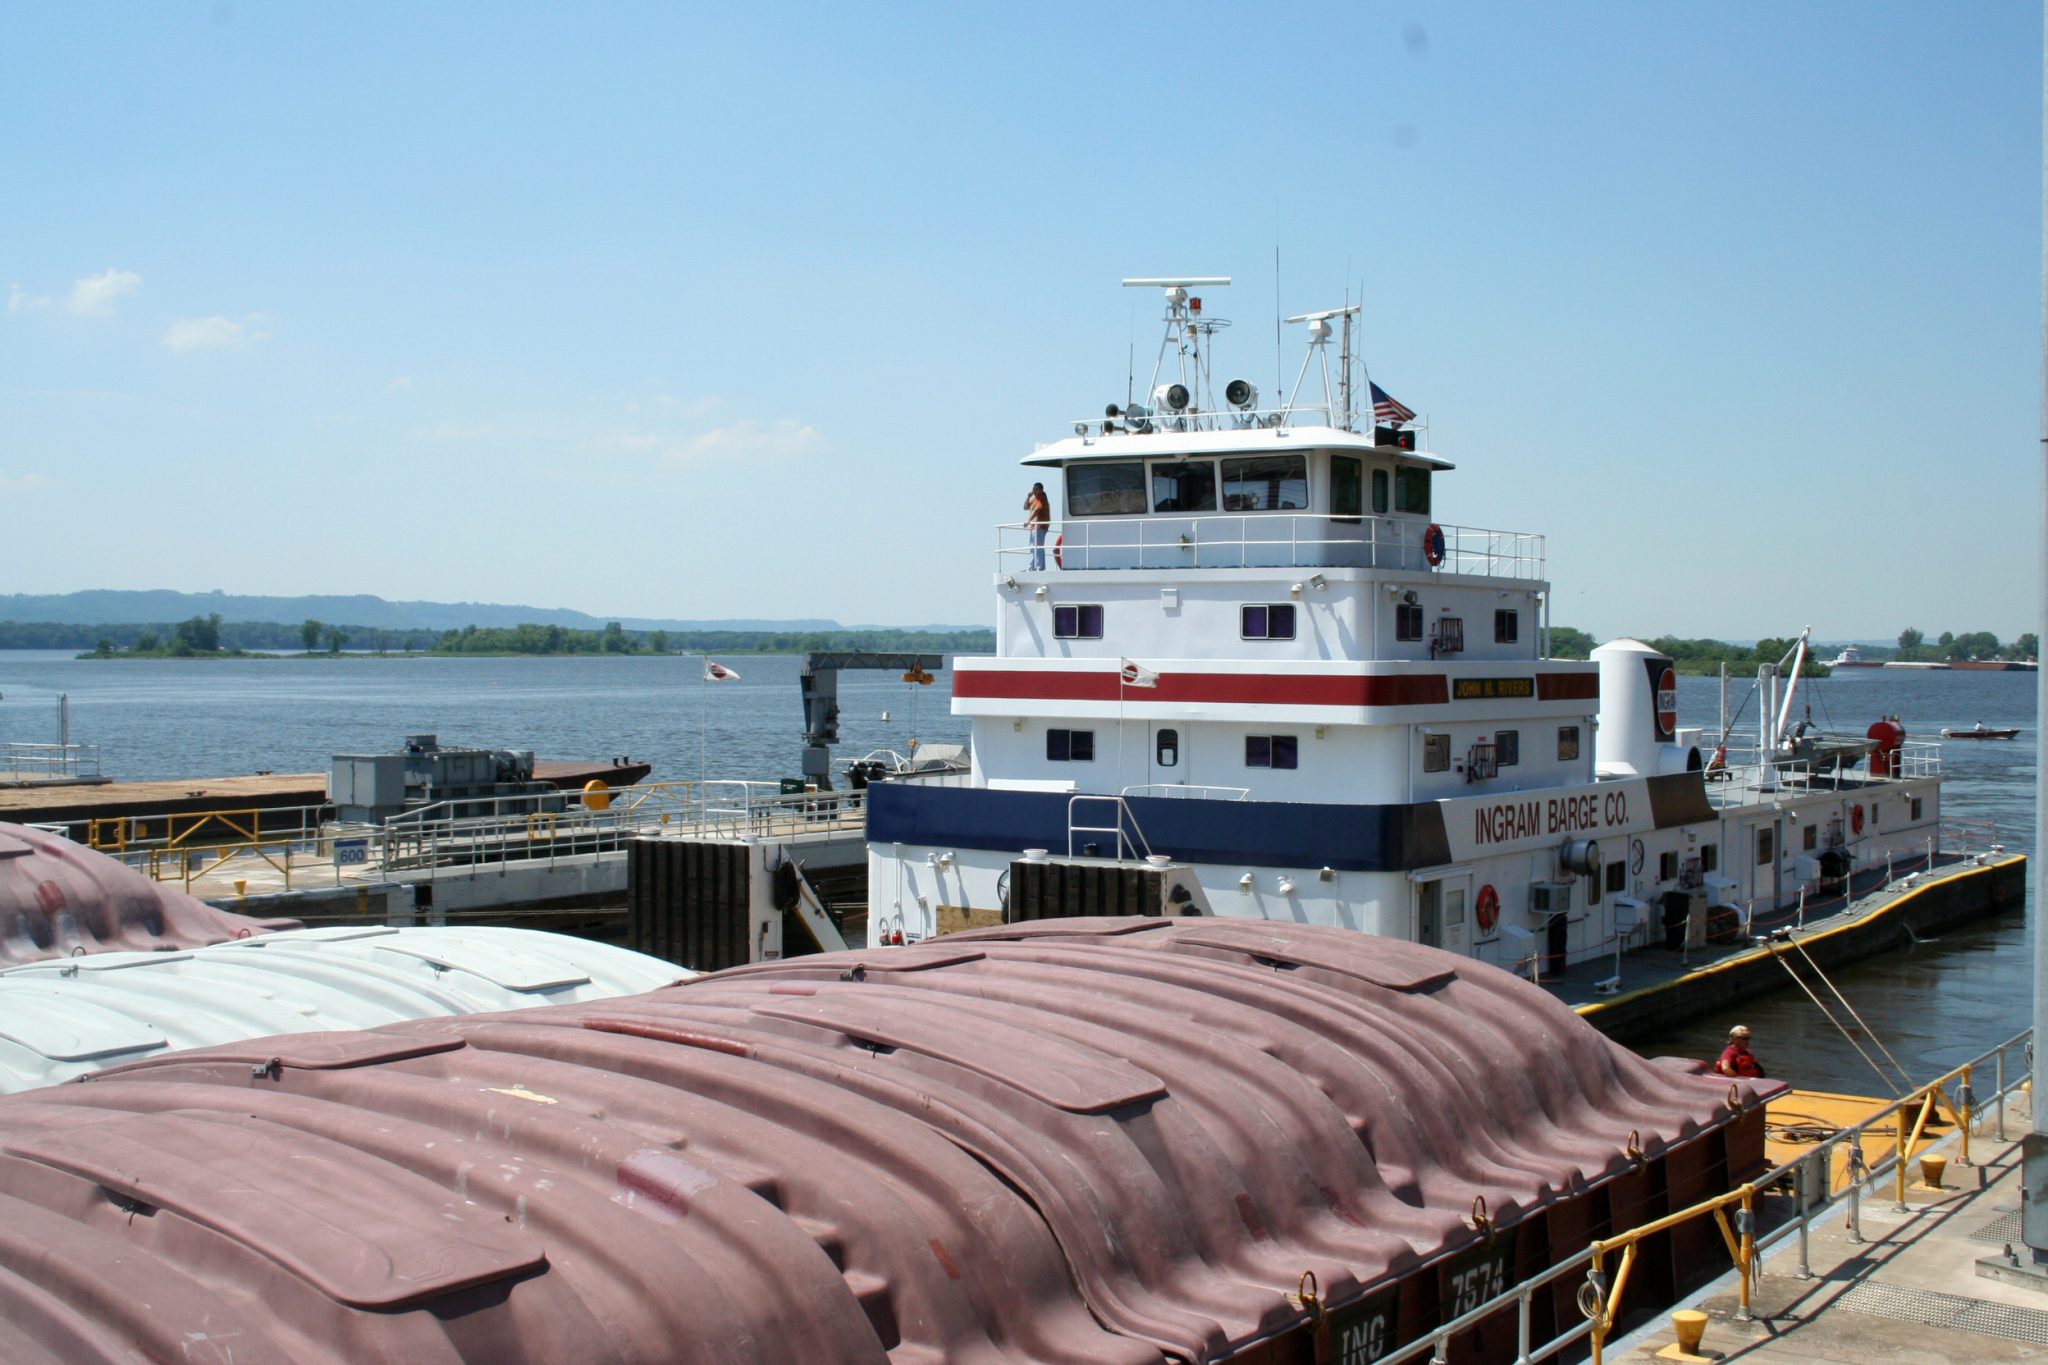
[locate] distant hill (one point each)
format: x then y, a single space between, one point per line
103 606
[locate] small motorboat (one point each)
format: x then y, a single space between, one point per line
1978 731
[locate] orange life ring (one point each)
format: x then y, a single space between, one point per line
1487 909
1433 545
1057 541
1856 819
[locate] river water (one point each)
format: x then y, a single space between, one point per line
1934 1006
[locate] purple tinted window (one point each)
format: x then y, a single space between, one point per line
1080 622
1280 621
1070 746
1286 749
1254 623
1258 751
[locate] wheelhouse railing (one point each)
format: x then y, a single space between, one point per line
1268 540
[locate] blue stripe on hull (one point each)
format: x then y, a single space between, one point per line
1237 833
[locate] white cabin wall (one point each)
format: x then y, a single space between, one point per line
1155 615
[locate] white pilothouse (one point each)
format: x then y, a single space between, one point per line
1249 655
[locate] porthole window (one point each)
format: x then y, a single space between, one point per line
1166 748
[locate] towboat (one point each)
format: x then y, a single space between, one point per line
1979 731
1852 657
1255 671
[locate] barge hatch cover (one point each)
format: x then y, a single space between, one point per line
1040 1146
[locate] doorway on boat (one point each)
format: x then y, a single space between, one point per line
1440 912
1167 764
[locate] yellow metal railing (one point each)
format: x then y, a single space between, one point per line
1600 1302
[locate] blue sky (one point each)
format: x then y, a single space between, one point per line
751 311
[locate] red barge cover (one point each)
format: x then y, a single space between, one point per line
1077 1140
59 899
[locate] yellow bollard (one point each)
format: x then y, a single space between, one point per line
596 795
1931 1167
241 887
1689 1325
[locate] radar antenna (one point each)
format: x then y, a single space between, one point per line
1319 333
1186 333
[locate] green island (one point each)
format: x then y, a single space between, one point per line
208 637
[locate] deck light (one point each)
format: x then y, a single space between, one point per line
1286 886
1294 590
1244 883
1040 593
1318 582
1328 874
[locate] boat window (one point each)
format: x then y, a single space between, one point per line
1266 483
1105 490
1763 846
1567 743
1667 865
1347 486
1810 839
1261 621
1379 492
1710 857
1916 808
1166 748
1507 748
1184 486
1507 626
1082 621
1479 761
1272 751
1070 746
1436 753
1408 622
1617 876
1411 491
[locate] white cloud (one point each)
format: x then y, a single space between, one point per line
191 334
745 441
783 439
25 483
91 296
94 295
403 381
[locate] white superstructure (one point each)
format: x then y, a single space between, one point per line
1254 647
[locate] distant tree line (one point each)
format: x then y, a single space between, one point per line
209 635
1690 656
225 636
536 639
1948 647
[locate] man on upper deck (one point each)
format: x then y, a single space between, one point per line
1038 518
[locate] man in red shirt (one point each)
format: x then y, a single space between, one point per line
1736 1058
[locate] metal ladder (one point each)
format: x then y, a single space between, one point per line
1132 841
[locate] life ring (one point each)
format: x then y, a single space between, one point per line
1486 909
1057 541
1856 819
1433 545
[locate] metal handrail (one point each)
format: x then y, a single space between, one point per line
22 759
1271 539
1188 791
1133 840
1599 1302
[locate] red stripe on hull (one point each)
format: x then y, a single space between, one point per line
1255 689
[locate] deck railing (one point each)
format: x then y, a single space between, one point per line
461 837
21 762
1268 540
1601 1295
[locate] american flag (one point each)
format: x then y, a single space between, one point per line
1388 408
716 672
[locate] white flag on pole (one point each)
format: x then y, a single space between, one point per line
717 672
1137 675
